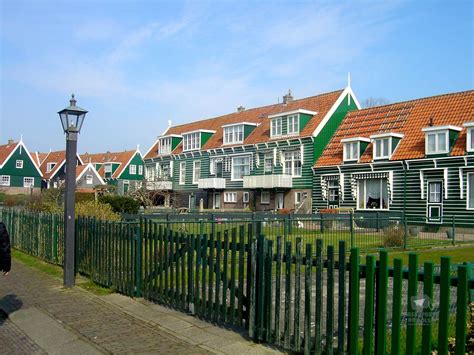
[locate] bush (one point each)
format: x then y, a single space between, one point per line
121 204
85 196
14 200
50 200
102 211
394 237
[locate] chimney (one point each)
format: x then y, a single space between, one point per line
287 98
10 141
240 109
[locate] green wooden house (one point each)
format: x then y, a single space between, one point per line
19 172
414 158
255 159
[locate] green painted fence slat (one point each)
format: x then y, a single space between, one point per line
296 327
427 292
461 310
286 331
397 306
444 305
341 315
307 299
277 334
382 299
218 277
353 337
369 304
319 297
253 289
268 291
330 301
240 296
211 273
412 292
233 259
225 281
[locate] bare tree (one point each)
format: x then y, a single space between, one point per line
374 101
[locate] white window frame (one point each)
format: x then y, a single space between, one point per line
468 191
290 157
354 151
245 197
298 198
191 141
182 173
265 201
5 180
132 169
276 127
140 170
333 188
470 139
165 145
293 121
108 168
230 197
268 158
28 181
379 143
233 178
196 176
233 134
436 134
365 196
50 167
19 164
89 179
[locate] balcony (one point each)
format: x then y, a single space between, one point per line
159 185
211 183
268 181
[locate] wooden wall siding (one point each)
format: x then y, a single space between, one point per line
415 205
137 160
17 175
188 159
82 181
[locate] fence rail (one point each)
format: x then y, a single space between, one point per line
304 292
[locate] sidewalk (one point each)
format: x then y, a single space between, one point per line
45 318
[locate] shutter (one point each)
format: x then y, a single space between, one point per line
257 160
324 188
274 156
341 186
302 154
171 168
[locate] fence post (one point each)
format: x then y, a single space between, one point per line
405 228
253 298
138 259
461 314
351 215
353 335
454 230
444 305
378 221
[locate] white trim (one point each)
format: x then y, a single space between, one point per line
355 139
441 128
436 134
387 134
468 124
281 114
195 182
365 193
170 136
468 190
199 131
9 180
240 123
20 143
32 181
230 193
90 165
374 148
181 164
346 91
261 197
125 168
245 200
249 156
469 134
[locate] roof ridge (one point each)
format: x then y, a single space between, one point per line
256 108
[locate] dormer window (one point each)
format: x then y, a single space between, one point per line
289 123
469 136
352 148
165 145
233 134
276 127
437 139
293 124
384 144
50 167
191 141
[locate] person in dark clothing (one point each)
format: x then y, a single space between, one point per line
5 252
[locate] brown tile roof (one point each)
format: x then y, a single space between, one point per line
407 118
110 157
6 150
319 103
58 157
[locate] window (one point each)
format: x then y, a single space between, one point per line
133 169
298 198
276 127
234 134
196 171
437 142
150 172
333 190
140 170
245 197
372 194
165 146
108 168
265 197
292 164
351 151
89 179
191 141
470 139
230 197
268 162
470 190
28 182
240 167
382 148
182 173
19 164
50 167
293 124
4 180
434 190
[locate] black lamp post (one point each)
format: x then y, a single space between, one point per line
72 118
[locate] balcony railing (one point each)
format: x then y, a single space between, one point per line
268 181
159 185
211 183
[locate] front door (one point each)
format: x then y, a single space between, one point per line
216 201
219 169
280 199
192 201
434 208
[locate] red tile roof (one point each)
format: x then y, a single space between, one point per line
6 150
319 103
110 157
407 118
58 157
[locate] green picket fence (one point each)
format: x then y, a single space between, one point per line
298 292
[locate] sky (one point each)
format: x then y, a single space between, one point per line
135 65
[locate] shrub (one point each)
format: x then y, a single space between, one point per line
14 200
85 196
121 204
394 237
50 200
102 211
